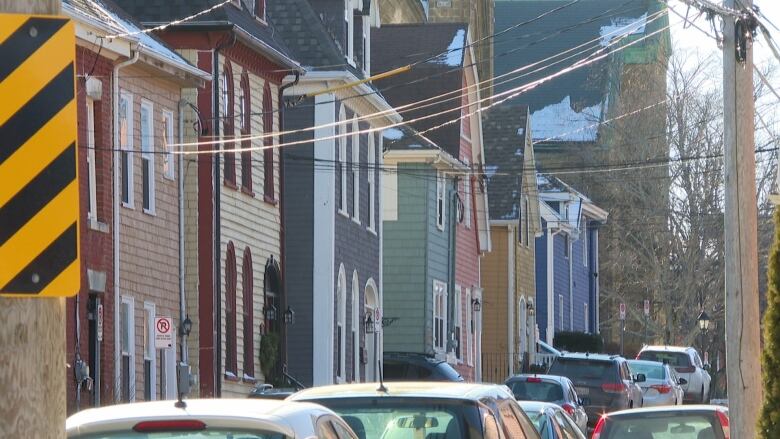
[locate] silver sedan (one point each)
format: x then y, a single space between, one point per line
661 385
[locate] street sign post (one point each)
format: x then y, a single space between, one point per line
622 313
647 308
163 333
622 316
100 322
39 194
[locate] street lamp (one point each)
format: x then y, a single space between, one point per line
186 327
476 305
369 323
289 316
704 321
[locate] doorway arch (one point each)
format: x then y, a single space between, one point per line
372 340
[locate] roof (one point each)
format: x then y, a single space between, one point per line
402 44
279 415
503 133
684 349
573 101
588 356
671 409
302 30
555 378
537 406
156 12
646 362
406 138
422 389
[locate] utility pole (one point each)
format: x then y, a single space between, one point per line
742 315
32 336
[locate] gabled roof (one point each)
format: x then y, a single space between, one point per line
569 104
503 131
299 26
398 45
157 12
406 138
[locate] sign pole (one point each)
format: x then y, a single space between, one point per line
622 316
32 338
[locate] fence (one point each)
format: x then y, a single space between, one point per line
498 366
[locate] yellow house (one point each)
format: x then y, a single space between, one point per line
508 272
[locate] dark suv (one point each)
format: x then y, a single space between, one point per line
403 366
603 382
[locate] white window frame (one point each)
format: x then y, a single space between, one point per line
224 99
128 350
150 353
587 319
441 200
367 44
439 315
371 184
467 197
241 107
91 178
341 292
458 324
355 327
355 171
349 21
342 139
585 245
128 147
566 246
147 152
469 333
560 310
168 133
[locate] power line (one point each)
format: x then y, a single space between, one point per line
166 25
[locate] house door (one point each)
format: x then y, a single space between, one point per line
272 343
372 343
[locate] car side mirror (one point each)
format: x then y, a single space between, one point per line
581 401
640 378
682 381
706 367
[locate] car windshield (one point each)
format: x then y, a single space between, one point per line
536 390
408 418
651 371
538 419
579 370
674 359
662 426
207 434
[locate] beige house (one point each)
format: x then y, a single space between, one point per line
508 272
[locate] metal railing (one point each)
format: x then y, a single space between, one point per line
498 366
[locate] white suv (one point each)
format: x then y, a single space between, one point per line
687 363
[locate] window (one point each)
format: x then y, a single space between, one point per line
566 246
341 293
354 326
260 9
231 366
585 244
366 45
150 368
560 310
126 146
470 332
527 222
467 200
587 318
127 349
458 324
168 166
439 315
342 160
147 155
440 204
268 153
355 171
245 104
349 31
92 192
371 183
227 123
247 293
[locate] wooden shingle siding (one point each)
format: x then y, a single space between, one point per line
494 298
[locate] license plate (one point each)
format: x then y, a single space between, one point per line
582 391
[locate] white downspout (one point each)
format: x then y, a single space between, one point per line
182 298
551 285
117 206
511 298
571 284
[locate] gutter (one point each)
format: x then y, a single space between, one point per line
184 354
117 207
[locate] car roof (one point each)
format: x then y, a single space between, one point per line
416 389
537 406
683 349
647 362
589 356
672 408
556 378
268 414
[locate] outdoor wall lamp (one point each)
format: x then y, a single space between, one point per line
476 305
704 321
270 313
186 327
289 316
369 323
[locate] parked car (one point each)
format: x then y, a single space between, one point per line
406 366
550 388
662 386
687 364
680 422
267 391
603 382
430 410
551 421
215 418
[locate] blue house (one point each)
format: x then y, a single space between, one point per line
567 264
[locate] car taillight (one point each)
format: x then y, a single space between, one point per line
169 425
568 408
689 369
613 387
724 423
533 380
662 388
599 427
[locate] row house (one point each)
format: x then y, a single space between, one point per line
508 276
331 176
567 260
129 87
232 227
456 128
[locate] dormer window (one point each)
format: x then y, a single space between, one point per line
349 32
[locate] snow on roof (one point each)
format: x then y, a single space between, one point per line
562 123
490 170
393 134
453 57
622 26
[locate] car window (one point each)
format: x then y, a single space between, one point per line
568 429
417 372
697 360
584 370
525 422
490 426
662 425
394 370
674 359
536 390
213 433
651 371
325 430
624 373
342 432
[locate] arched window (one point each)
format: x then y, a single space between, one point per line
247 291
354 326
268 153
342 133
245 105
340 302
231 366
371 183
372 342
227 116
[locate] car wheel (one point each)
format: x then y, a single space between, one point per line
631 404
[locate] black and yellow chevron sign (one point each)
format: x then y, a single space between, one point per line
39 192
